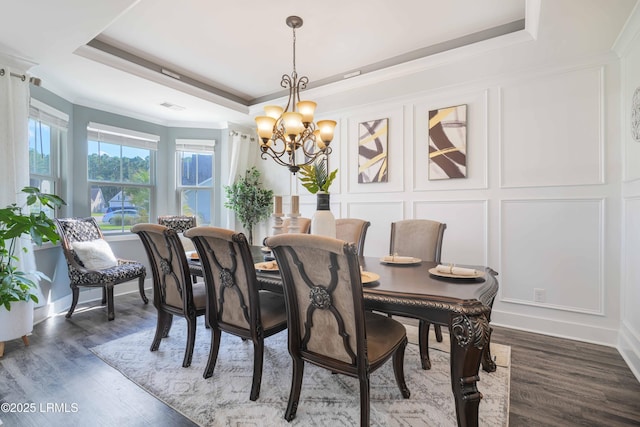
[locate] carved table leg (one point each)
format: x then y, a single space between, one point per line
488 364
468 335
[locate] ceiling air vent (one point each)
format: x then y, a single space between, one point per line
173 107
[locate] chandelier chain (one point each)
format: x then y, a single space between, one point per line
294 50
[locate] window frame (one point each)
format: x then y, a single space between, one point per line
58 123
195 146
97 132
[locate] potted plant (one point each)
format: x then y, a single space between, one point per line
249 200
17 287
317 180
315 177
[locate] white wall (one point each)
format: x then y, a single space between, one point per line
629 338
542 200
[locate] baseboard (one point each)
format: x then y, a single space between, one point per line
629 348
61 305
556 328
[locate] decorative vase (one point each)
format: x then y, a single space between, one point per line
323 222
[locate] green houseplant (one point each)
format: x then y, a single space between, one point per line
15 221
249 200
316 178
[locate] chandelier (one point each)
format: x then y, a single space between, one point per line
288 135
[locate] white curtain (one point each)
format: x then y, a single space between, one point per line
241 160
14 146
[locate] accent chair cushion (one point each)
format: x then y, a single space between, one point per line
95 254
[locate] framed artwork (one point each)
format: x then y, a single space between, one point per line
372 151
448 143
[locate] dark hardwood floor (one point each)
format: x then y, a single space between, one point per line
554 382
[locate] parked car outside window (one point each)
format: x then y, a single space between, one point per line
116 216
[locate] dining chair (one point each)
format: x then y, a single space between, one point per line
235 304
173 292
303 223
419 238
353 230
180 224
328 325
91 262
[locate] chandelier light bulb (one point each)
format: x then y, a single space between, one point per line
292 123
307 108
326 130
274 111
265 126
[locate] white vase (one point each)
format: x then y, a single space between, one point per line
17 322
323 222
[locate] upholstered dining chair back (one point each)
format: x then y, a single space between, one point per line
178 223
173 292
100 267
235 303
303 223
420 238
328 324
353 230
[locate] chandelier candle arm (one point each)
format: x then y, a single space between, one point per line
291 129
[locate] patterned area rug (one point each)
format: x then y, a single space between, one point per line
326 399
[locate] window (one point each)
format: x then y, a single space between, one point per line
195 178
47 134
121 175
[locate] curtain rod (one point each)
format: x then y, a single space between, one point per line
242 135
34 80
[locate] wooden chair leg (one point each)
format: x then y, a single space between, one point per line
25 340
162 328
1 348
213 352
75 294
191 340
258 357
438 330
296 386
141 288
364 401
110 306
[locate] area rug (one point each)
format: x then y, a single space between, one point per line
326 399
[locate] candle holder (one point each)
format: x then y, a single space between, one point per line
277 223
294 227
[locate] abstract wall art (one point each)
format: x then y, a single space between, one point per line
448 143
372 151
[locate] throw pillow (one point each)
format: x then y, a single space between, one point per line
95 254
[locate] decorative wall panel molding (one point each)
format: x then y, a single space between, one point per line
381 215
552 253
466 236
552 130
631 268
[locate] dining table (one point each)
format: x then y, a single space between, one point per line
416 290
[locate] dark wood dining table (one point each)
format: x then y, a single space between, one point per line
461 305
